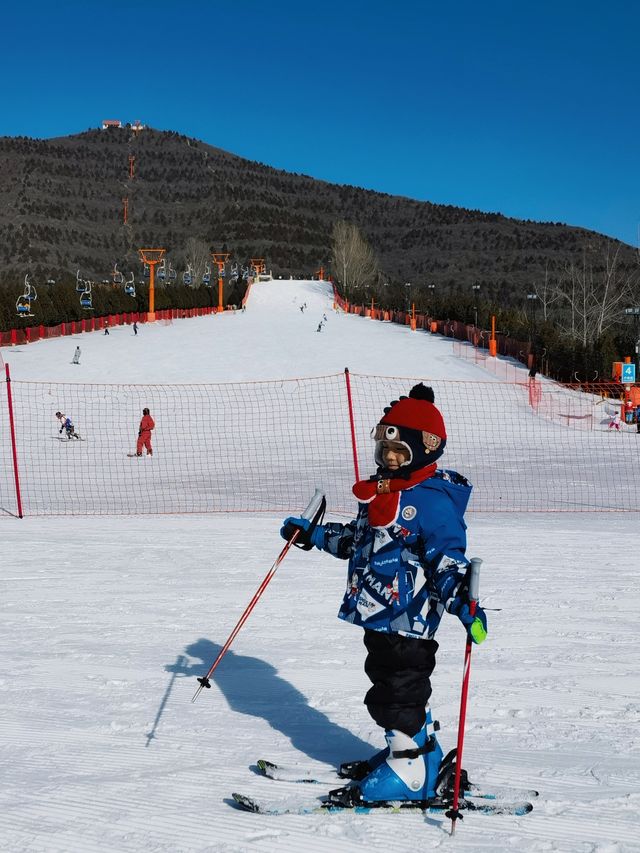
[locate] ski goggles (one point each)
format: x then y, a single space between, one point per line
389 432
385 432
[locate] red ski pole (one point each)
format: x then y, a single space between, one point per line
474 594
314 507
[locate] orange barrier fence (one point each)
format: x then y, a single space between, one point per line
520 350
91 324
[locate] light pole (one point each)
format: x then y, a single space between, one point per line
635 313
532 299
407 295
475 288
431 288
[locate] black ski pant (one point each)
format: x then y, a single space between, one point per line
399 669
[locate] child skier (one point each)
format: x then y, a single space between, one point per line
76 356
614 423
144 433
67 425
407 565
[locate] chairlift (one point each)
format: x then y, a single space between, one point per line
161 274
245 273
117 276
86 300
23 307
146 270
206 278
23 302
234 272
173 275
130 286
79 283
187 275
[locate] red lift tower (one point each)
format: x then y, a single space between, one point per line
151 257
220 259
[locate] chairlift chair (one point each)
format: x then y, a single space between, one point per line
146 271
187 275
234 272
206 278
79 283
173 275
86 300
23 307
117 276
130 286
161 274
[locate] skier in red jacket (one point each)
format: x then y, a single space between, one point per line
144 433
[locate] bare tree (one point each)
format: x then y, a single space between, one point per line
352 259
197 254
593 300
547 293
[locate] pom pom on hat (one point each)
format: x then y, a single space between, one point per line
417 412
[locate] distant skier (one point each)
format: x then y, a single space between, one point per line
66 425
76 356
302 309
144 433
135 328
407 567
319 329
614 423
106 330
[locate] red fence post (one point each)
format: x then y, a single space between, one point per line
13 441
353 429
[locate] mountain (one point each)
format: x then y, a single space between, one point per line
61 208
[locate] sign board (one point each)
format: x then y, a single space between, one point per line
628 374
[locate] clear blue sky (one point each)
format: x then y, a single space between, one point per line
526 108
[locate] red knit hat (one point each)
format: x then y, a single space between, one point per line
417 411
419 426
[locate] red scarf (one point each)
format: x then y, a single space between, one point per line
383 496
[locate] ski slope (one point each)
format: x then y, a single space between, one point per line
106 622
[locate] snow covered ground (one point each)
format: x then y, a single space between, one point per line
106 622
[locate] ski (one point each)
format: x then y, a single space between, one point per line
283 773
320 805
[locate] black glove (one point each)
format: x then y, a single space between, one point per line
309 534
139 433
310 530
60 430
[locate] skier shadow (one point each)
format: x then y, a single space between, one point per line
253 687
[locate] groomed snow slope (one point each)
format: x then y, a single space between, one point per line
106 622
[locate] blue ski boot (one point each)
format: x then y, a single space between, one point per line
408 772
359 770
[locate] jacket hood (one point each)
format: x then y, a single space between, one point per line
452 484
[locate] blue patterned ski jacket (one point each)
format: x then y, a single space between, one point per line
402 577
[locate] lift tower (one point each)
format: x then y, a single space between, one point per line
220 259
151 257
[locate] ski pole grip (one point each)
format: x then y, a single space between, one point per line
474 579
314 504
